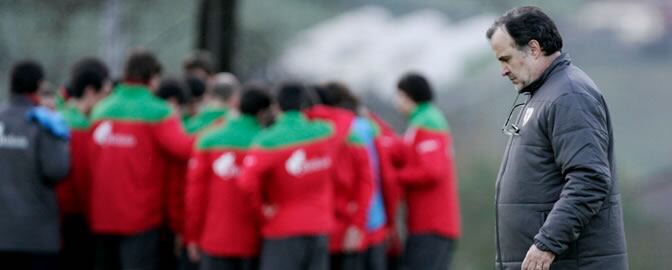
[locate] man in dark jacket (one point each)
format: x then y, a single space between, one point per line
558 202
34 157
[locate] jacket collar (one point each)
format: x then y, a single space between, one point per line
420 109
562 61
22 100
291 117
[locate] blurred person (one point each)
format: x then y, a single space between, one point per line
47 96
557 198
134 135
222 94
320 104
89 82
342 108
352 181
197 88
428 178
173 254
378 141
389 145
174 91
200 64
287 177
222 229
34 157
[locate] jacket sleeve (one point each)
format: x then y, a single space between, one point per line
173 139
79 187
428 150
389 185
196 196
363 187
54 157
578 132
255 167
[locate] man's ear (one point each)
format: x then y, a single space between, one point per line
535 48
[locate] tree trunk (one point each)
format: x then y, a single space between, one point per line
217 30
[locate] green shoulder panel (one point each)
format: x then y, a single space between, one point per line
377 130
204 119
427 116
76 120
354 139
131 103
293 129
237 133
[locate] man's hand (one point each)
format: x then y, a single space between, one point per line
193 252
537 259
353 239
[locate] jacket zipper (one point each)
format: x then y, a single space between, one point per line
498 184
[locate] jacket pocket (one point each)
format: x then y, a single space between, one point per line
518 224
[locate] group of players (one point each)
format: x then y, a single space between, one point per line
203 172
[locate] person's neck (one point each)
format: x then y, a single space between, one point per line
214 104
546 62
80 105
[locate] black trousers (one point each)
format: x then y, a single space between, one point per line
29 261
172 257
136 252
375 258
346 261
209 262
295 253
428 252
184 263
78 244
393 262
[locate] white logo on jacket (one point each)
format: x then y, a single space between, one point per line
225 165
12 142
298 164
427 146
527 115
104 135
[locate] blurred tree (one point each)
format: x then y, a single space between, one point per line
217 28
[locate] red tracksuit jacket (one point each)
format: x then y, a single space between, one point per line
176 171
133 133
341 119
73 192
428 176
353 180
288 173
219 218
353 187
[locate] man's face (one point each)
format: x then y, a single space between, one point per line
403 103
517 65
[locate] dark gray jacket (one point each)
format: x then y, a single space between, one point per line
557 184
32 161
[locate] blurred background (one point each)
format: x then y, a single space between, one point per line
625 46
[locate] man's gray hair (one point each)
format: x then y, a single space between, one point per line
224 85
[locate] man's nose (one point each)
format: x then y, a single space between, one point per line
504 70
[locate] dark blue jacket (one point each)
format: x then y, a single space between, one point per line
32 161
557 186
